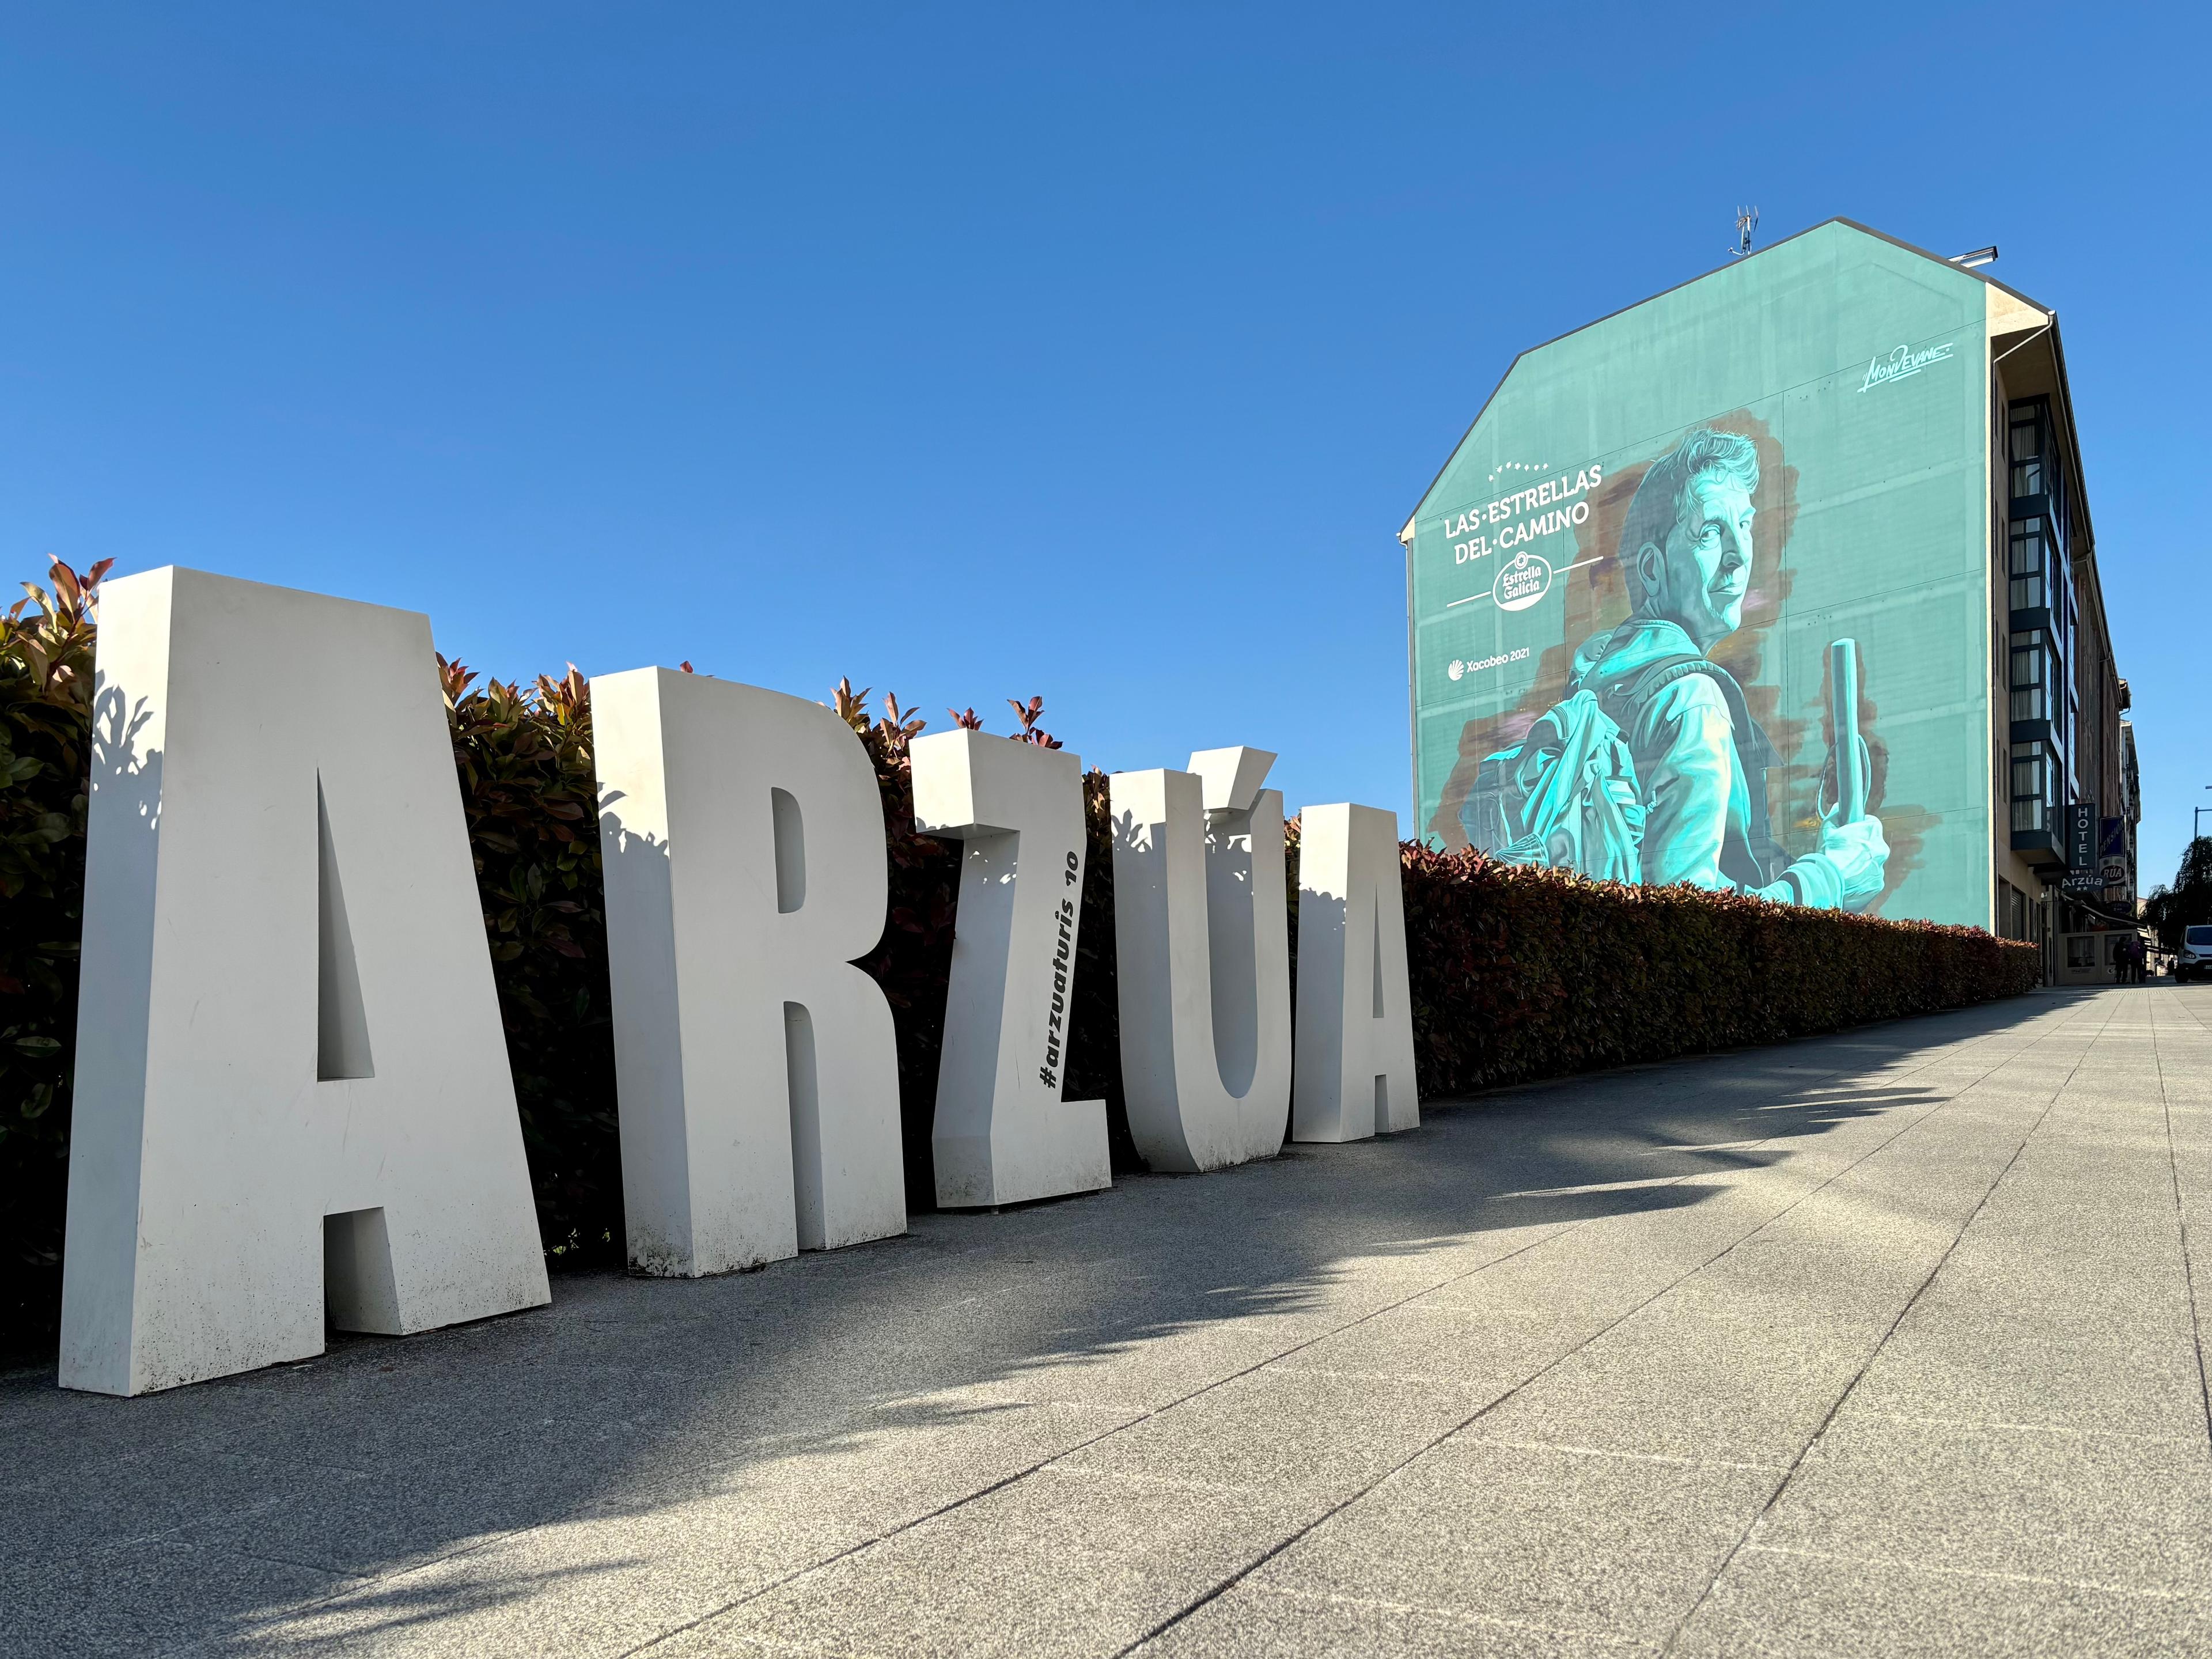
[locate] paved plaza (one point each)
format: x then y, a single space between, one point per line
1881 1344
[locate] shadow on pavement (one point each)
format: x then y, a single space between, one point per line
175 1519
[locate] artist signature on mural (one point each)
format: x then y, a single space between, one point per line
1901 362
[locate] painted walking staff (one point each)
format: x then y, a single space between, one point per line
1003 1133
291 1080
1202 945
757 1068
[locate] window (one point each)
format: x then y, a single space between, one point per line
2081 950
2030 565
2034 806
2029 447
2012 911
2030 675
2199 937
2036 475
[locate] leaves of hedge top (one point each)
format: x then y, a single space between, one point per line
45 728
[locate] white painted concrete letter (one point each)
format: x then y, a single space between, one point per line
1202 940
1355 1074
1003 1134
292 1087
743 836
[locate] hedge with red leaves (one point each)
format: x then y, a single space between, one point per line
1521 973
1516 973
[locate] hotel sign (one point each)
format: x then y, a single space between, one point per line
2081 871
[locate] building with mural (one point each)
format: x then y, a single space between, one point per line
1784 581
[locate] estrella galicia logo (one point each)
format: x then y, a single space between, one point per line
1521 581
1901 363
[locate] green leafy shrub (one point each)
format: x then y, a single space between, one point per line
912 960
1524 973
45 732
530 797
2187 902
1517 973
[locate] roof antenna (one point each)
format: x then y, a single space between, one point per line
1746 221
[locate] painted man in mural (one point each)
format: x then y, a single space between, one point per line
1652 768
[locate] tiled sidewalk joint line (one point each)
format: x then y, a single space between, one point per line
2057 1431
1798 1463
355 1580
2139 1592
1456 1615
1250 1568
1805 1435
997 1486
1676 1459
2181 1222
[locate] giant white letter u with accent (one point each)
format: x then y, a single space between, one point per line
1202 947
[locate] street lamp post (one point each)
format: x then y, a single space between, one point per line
2197 821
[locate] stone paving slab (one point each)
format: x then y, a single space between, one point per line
1884 1343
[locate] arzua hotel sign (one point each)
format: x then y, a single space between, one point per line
1702 596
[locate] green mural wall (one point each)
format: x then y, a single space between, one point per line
1645 584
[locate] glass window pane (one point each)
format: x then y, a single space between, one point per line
2028 674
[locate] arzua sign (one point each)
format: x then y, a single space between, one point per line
293 1101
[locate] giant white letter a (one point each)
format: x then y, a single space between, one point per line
1355 1034
292 1090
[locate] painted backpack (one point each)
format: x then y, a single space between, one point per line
1567 795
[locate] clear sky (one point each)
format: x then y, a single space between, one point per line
976 353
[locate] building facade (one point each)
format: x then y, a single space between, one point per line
1785 580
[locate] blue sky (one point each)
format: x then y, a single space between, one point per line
977 353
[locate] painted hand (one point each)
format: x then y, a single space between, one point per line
1858 854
